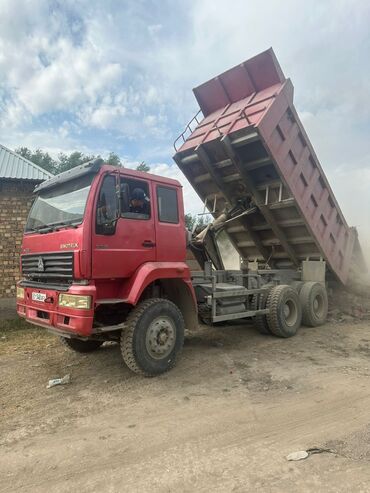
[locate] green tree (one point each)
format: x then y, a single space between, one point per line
72 160
143 167
40 158
65 161
200 222
190 221
204 220
113 159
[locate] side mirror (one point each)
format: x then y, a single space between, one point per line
113 221
107 220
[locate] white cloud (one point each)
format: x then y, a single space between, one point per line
45 69
192 202
155 28
106 116
76 76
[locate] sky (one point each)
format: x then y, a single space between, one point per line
117 76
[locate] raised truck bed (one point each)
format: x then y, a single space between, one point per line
251 156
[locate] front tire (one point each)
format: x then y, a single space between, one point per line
81 346
153 337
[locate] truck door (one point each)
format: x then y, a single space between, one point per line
120 247
170 227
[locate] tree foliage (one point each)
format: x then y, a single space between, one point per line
200 222
190 221
64 161
40 158
143 167
113 159
69 161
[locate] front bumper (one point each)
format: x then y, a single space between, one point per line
50 315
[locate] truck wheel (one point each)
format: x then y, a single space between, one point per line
81 346
260 321
314 300
285 314
153 337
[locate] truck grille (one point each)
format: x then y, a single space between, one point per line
48 266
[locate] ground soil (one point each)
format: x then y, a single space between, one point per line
223 420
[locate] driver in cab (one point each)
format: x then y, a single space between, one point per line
139 203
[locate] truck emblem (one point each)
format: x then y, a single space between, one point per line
40 265
69 245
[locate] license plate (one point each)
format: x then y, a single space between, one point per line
38 296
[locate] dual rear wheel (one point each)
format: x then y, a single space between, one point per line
289 307
314 301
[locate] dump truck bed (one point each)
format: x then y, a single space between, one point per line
251 149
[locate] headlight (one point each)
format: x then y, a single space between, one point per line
20 293
75 301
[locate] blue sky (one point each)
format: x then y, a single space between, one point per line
117 76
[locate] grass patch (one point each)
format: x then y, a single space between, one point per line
18 335
13 324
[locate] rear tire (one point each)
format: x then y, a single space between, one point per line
285 315
260 321
81 346
153 337
314 300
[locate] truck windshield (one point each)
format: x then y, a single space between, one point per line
61 205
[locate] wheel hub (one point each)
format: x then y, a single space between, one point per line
318 306
290 312
286 310
160 337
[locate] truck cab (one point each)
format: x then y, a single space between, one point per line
103 247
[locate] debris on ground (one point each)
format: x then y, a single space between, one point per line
303 454
59 381
350 303
319 450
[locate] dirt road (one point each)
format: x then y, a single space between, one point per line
223 420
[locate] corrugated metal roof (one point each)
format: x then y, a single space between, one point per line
15 167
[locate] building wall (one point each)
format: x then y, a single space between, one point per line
15 202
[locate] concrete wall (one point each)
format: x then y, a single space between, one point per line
15 202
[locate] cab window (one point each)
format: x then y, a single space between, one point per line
168 211
135 199
107 207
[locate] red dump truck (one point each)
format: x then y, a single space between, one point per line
103 254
